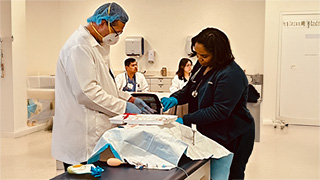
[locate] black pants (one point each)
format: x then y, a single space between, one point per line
242 148
67 165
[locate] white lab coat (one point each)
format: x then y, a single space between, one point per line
142 85
86 97
177 84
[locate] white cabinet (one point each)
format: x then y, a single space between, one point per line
159 83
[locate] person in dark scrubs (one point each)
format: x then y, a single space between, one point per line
217 94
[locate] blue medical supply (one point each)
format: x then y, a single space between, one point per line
96 156
96 172
133 109
143 106
179 120
102 13
168 103
31 108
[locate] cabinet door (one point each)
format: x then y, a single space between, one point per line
298 76
161 81
148 81
160 87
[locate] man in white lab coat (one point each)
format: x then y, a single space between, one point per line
86 95
131 80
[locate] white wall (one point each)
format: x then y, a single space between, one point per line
273 9
43 36
6 96
13 85
164 24
19 62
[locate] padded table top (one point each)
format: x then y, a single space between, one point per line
125 171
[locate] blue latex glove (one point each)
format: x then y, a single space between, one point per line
145 109
133 109
168 103
96 172
179 120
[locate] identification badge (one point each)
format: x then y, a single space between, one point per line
130 86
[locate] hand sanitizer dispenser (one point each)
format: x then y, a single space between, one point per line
188 45
134 46
151 56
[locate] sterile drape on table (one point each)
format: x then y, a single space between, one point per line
161 147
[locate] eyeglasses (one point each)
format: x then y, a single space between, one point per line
117 33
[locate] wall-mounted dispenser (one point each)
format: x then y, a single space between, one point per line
151 55
188 45
134 46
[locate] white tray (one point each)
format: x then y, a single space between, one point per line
146 119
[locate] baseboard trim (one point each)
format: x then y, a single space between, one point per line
23 131
267 121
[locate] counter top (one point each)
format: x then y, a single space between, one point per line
157 76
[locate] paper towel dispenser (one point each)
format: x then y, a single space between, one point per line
134 46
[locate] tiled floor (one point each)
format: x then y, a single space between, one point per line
291 153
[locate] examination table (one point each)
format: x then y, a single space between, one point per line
196 169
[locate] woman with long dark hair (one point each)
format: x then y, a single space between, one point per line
217 94
182 75
178 82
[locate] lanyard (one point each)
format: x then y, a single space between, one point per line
130 86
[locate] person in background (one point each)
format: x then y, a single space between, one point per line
178 82
86 95
131 80
217 94
182 75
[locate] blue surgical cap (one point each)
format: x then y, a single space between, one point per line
116 13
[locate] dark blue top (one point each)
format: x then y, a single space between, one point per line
133 82
130 84
220 108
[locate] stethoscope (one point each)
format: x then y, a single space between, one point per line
194 93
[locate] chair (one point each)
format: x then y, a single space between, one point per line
151 100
